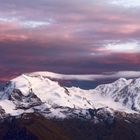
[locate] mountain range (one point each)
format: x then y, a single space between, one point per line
34 106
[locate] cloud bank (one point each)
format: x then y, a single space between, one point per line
89 77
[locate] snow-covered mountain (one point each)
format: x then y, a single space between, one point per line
125 92
34 92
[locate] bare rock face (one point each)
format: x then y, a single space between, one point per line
24 102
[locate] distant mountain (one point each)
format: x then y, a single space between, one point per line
113 109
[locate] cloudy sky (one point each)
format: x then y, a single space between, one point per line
69 36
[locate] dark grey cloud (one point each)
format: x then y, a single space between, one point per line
66 36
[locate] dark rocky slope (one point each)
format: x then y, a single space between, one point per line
30 127
37 127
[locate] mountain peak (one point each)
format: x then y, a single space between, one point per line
122 79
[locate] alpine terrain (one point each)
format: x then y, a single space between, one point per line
35 107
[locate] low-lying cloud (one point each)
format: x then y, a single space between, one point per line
89 77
